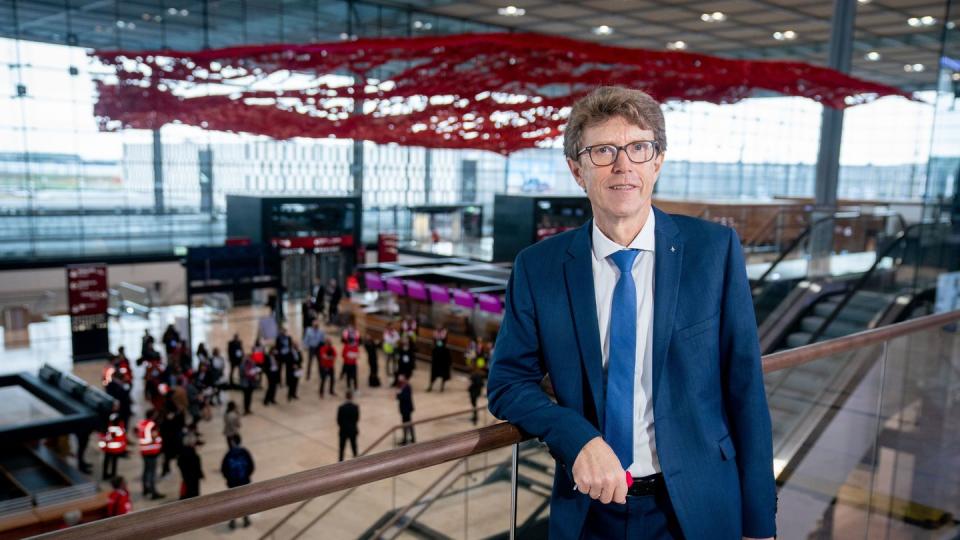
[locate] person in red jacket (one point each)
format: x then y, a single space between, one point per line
118 501
328 357
351 352
113 444
151 443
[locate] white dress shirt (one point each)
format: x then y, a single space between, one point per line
605 276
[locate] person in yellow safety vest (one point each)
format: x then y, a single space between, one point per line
150 446
113 444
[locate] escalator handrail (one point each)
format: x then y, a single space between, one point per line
191 514
897 243
800 238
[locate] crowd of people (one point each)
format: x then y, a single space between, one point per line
182 390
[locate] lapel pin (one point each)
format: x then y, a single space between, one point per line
673 249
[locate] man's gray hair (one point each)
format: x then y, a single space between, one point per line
635 106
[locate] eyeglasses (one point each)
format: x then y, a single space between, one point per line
606 154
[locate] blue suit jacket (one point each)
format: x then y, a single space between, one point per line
710 410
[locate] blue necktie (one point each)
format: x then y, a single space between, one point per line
618 423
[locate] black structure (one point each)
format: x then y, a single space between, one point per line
522 220
74 406
316 237
237 270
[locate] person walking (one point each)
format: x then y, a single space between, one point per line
477 381
191 468
294 372
406 360
405 403
113 444
313 338
328 358
235 356
249 375
439 360
351 352
151 444
273 377
231 422
371 345
348 416
237 469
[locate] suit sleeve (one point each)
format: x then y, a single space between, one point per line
513 387
745 398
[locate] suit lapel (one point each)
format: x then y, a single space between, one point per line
668 262
578 273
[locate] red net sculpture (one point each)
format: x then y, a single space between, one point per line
499 92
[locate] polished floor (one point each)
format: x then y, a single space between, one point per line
844 487
283 438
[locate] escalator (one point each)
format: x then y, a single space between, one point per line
803 399
856 236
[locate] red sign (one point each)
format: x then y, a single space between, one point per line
313 242
87 289
387 247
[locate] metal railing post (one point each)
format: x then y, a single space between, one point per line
513 491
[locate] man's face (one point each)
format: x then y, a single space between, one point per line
624 188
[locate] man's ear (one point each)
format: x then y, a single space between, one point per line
658 163
576 170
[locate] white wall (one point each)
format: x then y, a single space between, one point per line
45 289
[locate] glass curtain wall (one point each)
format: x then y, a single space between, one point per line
69 190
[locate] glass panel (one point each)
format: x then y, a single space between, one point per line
824 417
915 492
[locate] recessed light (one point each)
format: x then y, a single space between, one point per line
785 35
676 45
716 16
511 11
603 30
184 13
171 11
955 76
863 1
872 56
926 20
913 68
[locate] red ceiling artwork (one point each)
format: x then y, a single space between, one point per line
498 92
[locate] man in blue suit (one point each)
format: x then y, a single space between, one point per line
644 323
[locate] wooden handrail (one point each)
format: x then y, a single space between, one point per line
809 353
187 515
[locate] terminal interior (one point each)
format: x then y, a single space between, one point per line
205 170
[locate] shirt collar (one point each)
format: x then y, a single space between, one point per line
603 247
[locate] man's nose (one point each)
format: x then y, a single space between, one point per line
622 163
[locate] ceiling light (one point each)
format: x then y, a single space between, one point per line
951 25
926 20
785 35
863 1
172 11
918 67
872 56
676 45
603 30
511 11
913 68
184 13
716 16
955 76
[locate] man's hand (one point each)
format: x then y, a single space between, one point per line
597 473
